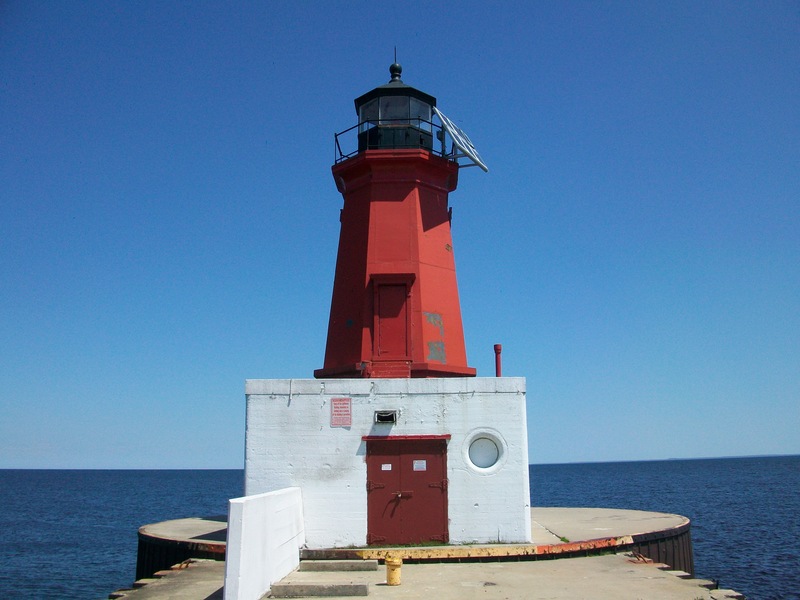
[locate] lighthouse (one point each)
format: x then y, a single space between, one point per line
395 310
395 440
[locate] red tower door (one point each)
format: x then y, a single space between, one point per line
391 352
392 322
406 490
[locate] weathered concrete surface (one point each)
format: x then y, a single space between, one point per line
198 580
610 577
581 524
319 590
207 530
339 565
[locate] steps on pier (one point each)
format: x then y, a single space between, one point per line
296 585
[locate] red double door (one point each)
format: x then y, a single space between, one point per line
406 490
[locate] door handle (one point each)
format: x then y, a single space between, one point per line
401 494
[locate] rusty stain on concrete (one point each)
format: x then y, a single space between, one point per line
474 551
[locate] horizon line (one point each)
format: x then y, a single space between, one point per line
597 462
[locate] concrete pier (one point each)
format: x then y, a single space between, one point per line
164 544
560 533
608 577
601 545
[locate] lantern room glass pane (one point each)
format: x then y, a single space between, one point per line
368 112
420 113
394 109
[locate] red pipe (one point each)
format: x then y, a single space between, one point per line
498 363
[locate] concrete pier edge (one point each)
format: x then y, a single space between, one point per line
660 538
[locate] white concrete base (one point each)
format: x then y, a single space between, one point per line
265 534
293 439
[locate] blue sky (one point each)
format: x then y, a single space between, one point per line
168 221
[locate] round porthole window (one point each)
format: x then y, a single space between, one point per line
483 452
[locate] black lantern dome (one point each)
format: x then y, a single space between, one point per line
395 115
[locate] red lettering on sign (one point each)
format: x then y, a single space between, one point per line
341 412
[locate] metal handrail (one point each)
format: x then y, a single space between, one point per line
436 131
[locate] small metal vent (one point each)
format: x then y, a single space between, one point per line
386 416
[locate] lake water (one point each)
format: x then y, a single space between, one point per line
72 534
745 512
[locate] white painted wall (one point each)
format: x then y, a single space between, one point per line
290 442
265 534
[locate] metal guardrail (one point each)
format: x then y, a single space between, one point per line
362 137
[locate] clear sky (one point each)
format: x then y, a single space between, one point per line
168 221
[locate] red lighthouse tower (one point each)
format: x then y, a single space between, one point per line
395 310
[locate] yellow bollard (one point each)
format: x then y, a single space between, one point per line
393 564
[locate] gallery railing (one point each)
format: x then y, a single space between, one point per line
390 134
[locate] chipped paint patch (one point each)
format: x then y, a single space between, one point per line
435 319
436 352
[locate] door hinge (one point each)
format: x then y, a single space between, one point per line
371 485
442 485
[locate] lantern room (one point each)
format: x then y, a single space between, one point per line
395 115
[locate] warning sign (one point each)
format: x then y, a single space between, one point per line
341 412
